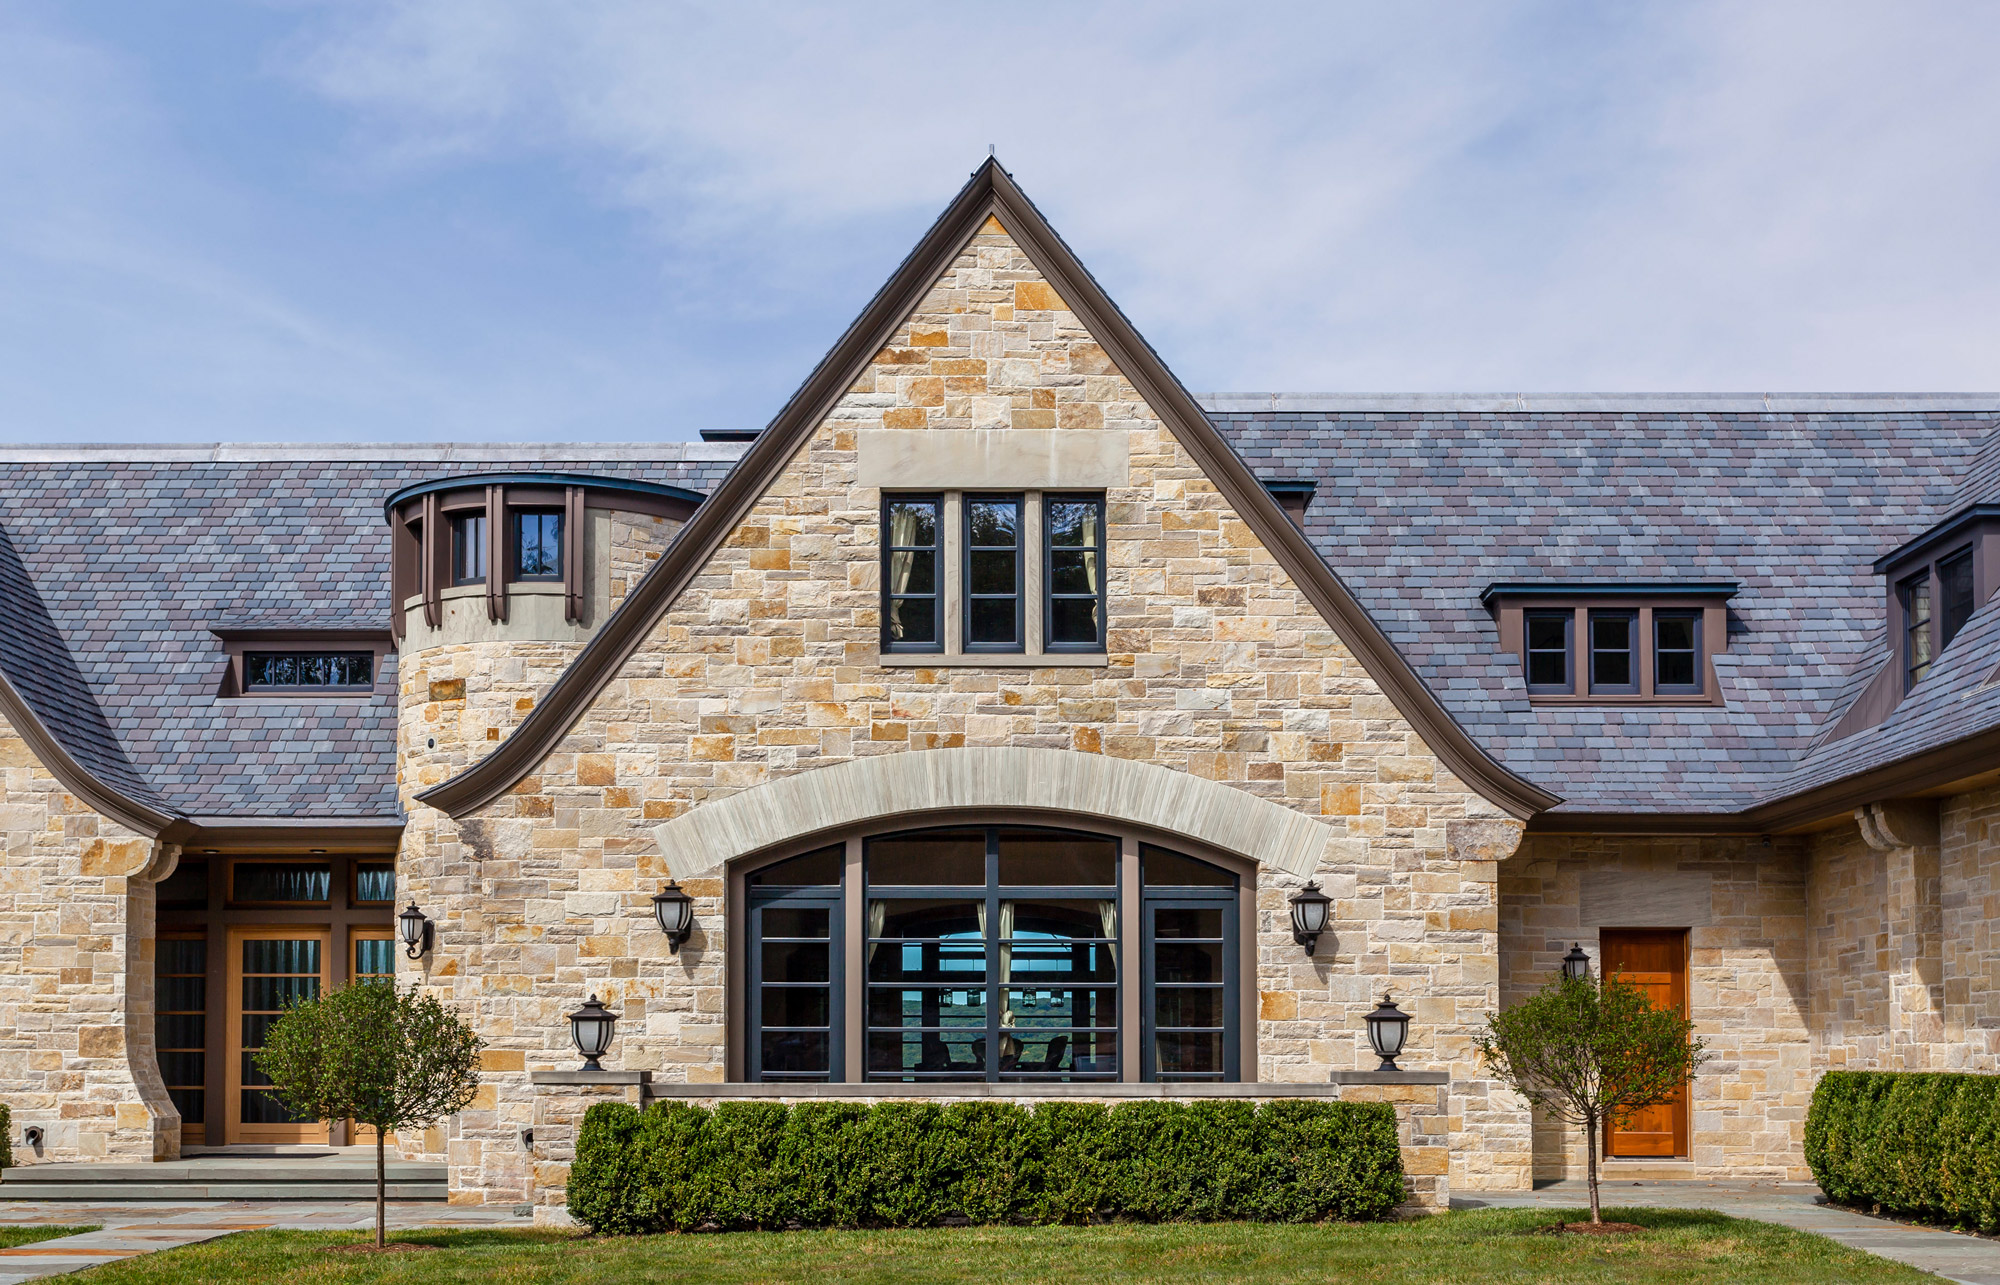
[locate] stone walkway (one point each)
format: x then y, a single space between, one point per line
1970 1260
128 1230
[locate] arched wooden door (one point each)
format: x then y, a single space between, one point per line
1654 960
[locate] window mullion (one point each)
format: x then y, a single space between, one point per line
996 990
952 582
1644 644
1032 558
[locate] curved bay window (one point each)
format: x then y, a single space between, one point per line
1000 953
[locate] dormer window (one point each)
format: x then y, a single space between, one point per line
1634 643
308 671
301 664
1915 593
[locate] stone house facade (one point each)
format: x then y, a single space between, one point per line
991 707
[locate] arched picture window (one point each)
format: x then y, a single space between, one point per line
995 953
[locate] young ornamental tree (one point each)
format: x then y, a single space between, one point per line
376 1055
1587 1053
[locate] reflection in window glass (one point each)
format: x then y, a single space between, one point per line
308 669
930 857
1916 595
911 588
993 573
281 881
1053 858
374 882
538 546
1611 666
1159 868
180 1023
468 549
1548 648
1075 577
819 867
1675 647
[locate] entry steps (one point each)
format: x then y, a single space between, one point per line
323 1174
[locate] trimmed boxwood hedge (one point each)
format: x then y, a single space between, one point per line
678 1167
1918 1144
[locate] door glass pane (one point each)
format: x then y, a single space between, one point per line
374 958
1189 1054
933 1006
180 1024
275 972
948 1054
799 1053
1192 1002
796 1006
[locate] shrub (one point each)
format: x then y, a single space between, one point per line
679 1167
1919 1145
6 1137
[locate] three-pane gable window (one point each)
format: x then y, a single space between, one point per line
969 574
1575 647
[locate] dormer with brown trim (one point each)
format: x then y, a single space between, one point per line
541 557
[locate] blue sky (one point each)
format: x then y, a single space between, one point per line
481 220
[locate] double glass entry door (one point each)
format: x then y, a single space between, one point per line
269 968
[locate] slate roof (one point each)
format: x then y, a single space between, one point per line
117 563
115 569
1418 511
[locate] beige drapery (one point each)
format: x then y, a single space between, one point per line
878 917
902 530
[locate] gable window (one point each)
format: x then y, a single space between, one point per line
1613 667
468 549
994 953
983 579
1075 573
1915 593
912 596
538 545
1617 643
1548 650
993 573
308 671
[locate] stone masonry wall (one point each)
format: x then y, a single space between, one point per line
766 666
1747 978
1969 879
1848 952
76 973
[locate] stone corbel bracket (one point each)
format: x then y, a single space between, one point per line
915 782
1899 823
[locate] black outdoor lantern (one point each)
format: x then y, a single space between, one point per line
1310 908
415 928
675 911
1387 1028
590 1028
1576 964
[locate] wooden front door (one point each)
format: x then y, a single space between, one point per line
1654 960
268 969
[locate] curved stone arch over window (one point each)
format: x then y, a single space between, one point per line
826 800
1005 946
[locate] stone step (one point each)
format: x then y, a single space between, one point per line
224 1178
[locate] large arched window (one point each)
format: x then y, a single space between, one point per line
991 952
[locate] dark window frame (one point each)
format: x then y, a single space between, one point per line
1185 897
1049 595
1661 688
1632 649
966 595
803 897
252 655
1946 606
936 550
469 537
239 643
1529 651
1917 629
515 550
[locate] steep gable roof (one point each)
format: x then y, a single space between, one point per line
991 193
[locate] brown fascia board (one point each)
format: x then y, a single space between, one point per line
336 834
75 777
991 191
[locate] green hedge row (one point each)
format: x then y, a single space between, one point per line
1921 1145
907 1164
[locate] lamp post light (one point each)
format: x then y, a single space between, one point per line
1310 908
590 1030
1576 964
675 911
1388 1027
416 930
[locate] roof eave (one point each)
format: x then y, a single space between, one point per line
74 776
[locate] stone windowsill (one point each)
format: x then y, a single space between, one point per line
1391 1077
993 660
573 1079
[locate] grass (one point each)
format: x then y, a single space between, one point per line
12 1236
1488 1245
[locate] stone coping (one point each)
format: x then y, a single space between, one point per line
977 1089
1391 1077
608 1079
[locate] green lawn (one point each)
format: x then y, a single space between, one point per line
12 1236
1471 1246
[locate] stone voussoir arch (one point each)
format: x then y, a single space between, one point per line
914 782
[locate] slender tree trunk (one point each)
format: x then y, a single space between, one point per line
1590 1144
382 1187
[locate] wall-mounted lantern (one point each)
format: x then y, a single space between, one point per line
416 930
1576 964
675 911
590 1030
1388 1027
1310 908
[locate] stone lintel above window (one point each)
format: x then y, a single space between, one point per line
1614 642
